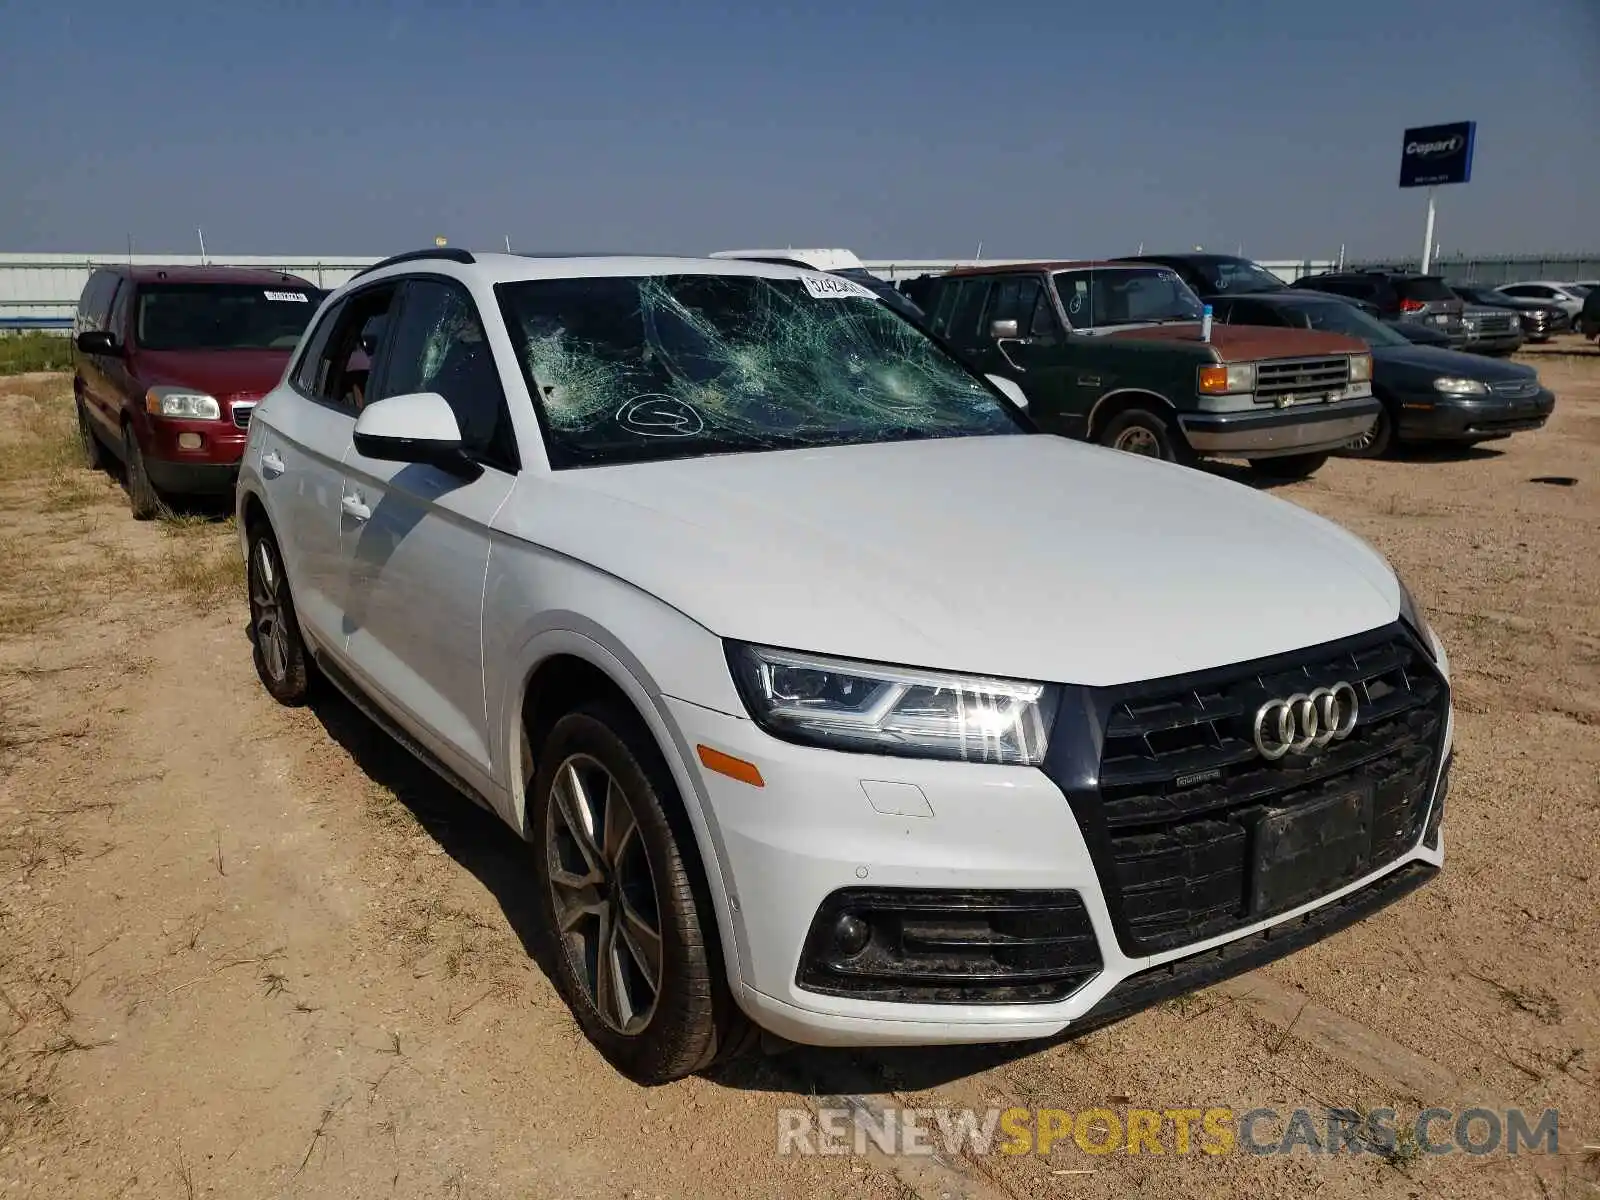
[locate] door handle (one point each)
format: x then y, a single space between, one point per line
354 507
271 464
1000 345
1089 380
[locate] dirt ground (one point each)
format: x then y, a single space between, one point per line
247 951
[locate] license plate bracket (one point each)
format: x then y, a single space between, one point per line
1310 849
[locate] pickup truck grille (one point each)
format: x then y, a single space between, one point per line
1183 792
1495 324
1303 375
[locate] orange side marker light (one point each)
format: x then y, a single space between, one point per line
727 764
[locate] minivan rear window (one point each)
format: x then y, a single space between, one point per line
230 316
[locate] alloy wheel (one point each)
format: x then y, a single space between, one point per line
604 894
266 610
1136 439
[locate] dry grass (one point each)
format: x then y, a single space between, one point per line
43 441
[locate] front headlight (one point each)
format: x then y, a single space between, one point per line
1459 387
1361 368
1411 614
848 705
182 402
1222 380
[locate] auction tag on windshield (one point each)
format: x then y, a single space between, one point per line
831 287
295 297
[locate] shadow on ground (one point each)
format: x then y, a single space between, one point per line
482 844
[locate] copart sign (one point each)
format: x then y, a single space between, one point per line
1436 154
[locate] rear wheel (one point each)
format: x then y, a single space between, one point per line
1140 431
143 498
1289 466
632 944
95 455
276 645
1376 442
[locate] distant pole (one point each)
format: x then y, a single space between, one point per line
1141 247
508 243
130 251
979 256
1341 256
1427 238
202 236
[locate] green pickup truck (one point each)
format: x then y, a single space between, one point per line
1116 353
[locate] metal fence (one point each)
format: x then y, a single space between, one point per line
1493 270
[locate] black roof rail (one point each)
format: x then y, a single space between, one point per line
448 253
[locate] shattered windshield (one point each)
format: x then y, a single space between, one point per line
629 368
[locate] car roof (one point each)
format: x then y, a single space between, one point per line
495 268
819 260
1051 265
1555 283
156 273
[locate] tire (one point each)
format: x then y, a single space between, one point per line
1376 443
1289 467
1140 431
143 499
276 645
651 1031
95 455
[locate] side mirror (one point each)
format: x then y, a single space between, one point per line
1009 388
1004 329
419 427
97 341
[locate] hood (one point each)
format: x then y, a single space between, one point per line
220 372
1024 556
1244 343
1436 360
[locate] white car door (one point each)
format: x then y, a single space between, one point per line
414 538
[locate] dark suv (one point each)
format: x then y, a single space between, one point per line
168 363
1114 352
1399 296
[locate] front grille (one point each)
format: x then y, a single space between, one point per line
1181 799
1495 324
950 946
1293 376
241 415
1516 389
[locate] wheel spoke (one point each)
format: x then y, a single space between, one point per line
577 814
609 993
619 825
643 943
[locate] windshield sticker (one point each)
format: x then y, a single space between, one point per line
292 297
659 415
831 287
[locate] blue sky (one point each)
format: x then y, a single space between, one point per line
897 129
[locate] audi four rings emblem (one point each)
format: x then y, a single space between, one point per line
1306 720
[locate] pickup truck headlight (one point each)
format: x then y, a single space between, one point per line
844 704
182 402
1459 387
1361 368
1224 380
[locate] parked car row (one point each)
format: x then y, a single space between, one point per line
834 697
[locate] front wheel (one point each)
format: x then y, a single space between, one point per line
1139 431
1375 442
1289 467
94 451
632 945
143 499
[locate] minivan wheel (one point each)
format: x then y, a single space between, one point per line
94 451
630 942
1289 466
143 498
276 646
1139 431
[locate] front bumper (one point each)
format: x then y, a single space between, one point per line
1444 417
208 468
814 830
1273 431
1504 343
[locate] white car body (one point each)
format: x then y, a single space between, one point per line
817 260
1563 295
1026 557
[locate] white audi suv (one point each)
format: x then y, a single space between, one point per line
832 698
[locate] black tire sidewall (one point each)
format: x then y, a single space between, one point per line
1382 437
293 688
682 1032
1173 447
142 496
94 454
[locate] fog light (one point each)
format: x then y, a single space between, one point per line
190 441
851 934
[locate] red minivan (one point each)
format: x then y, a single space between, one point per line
169 362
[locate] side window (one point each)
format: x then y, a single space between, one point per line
1044 322
305 375
96 301
340 362
964 329
944 304
117 321
1014 299
439 346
